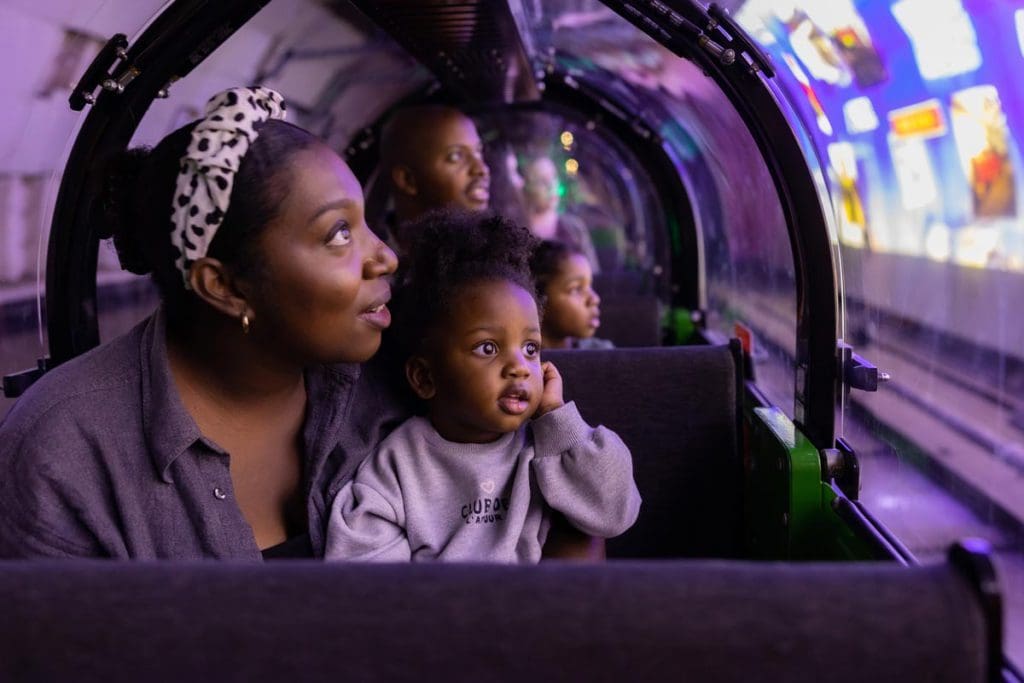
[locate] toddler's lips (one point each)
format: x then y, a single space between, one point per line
512 405
515 401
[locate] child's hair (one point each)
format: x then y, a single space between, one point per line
452 248
547 259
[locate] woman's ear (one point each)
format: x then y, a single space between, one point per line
213 283
404 180
421 379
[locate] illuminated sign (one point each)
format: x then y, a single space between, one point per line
942 36
824 125
983 143
860 115
917 183
1018 19
924 120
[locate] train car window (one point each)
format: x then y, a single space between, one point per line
916 111
38 131
746 254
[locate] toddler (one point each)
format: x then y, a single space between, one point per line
476 475
572 309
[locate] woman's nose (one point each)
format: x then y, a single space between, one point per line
382 261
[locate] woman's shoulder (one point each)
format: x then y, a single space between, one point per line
84 386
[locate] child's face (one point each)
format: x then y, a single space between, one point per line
485 369
573 307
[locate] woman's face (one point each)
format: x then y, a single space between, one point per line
573 308
323 288
541 185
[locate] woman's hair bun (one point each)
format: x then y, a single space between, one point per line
121 197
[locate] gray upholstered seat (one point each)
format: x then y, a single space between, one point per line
631 320
721 621
677 410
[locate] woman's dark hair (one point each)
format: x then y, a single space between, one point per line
547 260
450 249
138 190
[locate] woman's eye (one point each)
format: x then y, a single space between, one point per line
340 235
531 349
454 156
486 349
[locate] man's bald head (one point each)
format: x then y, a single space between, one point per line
433 157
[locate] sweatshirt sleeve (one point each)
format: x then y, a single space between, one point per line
367 521
585 473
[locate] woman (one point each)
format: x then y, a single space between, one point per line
214 428
540 191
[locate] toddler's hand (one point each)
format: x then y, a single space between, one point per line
552 396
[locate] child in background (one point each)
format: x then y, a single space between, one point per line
572 309
477 475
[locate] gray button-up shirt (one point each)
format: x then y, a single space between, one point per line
101 459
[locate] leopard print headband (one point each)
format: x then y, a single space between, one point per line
219 142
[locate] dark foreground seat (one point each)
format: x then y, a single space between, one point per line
681 620
677 408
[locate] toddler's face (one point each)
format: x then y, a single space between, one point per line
486 367
573 307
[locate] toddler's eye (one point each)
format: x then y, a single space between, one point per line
340 235
531 349
486 349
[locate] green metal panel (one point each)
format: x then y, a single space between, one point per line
789 513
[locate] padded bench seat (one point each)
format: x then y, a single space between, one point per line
677 408
668 620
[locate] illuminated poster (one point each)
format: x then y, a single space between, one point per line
816 50
914 172
824 125
923 120
850 209
942 36
859 115
982 139
833 43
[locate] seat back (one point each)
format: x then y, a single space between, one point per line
631 320
677 409
722 621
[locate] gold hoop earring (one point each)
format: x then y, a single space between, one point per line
245 323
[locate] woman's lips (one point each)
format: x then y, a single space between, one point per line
378 316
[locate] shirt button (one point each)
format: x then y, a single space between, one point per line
219 493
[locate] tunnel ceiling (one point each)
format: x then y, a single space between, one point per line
474 47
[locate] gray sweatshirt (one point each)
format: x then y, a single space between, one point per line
423 498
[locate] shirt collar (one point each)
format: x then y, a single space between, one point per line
168 426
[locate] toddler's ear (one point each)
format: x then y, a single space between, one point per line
417 372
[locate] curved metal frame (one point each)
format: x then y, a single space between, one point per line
178 40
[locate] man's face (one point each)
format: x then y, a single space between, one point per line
450 168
